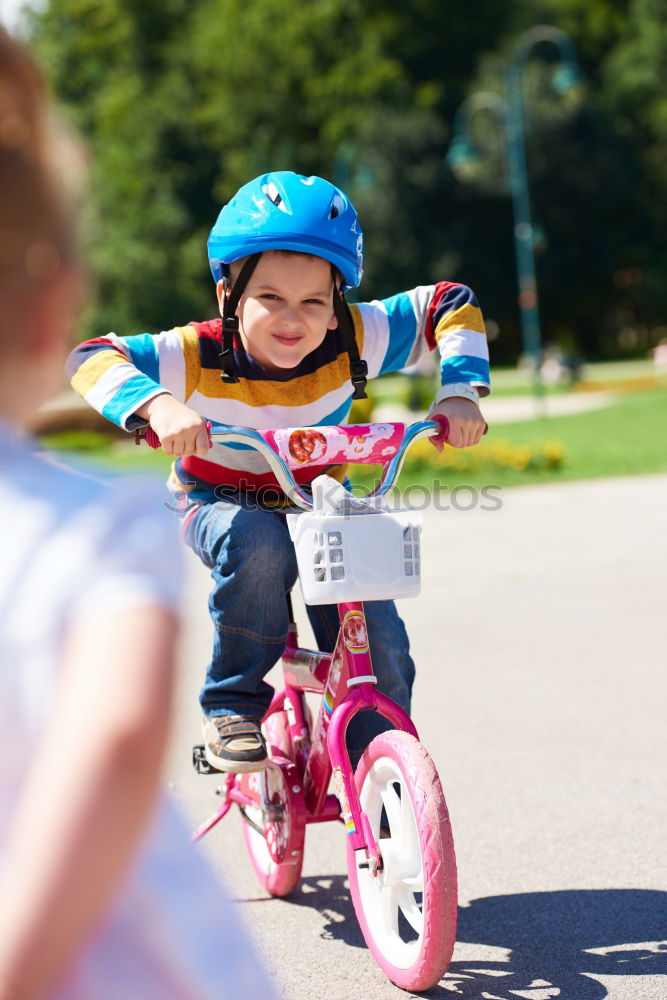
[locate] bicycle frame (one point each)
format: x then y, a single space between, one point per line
344 678
346 681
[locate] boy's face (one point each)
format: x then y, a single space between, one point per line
286 309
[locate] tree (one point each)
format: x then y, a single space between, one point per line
182 103
597 174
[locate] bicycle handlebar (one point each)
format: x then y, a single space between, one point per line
290 448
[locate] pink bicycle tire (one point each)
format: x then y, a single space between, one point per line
278 878
397 781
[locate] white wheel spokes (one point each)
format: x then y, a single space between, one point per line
389 908
392 804
410 838
401 863
410 909
390 901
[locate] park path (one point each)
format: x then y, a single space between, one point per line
540 644
508 409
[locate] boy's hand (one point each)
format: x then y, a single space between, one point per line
466 423
181 430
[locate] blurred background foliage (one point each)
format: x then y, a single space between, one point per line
182 102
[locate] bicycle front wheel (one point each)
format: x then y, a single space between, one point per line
407 910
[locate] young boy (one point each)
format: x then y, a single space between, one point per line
287 351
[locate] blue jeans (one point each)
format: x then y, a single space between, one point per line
253 566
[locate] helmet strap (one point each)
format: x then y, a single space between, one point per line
230 321
358 367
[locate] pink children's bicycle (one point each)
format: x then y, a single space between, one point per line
400 853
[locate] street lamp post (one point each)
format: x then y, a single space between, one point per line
510 112
523 227
516 155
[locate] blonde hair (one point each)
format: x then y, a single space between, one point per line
36 237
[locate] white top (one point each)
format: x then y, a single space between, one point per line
72 545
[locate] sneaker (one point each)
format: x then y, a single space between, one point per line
234 743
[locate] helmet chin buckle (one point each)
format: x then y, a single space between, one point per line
230 327
358 377
227 364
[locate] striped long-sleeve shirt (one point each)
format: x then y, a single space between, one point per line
117 375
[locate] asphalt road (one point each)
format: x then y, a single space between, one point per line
540 642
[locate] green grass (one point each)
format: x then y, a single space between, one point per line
517 382
624 439
627 438
91 447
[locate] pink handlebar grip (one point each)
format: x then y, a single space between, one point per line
151 439
444 428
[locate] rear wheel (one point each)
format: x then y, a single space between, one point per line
274 826
407 910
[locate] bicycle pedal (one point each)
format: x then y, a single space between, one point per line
199 762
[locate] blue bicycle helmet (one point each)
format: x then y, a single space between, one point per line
285 211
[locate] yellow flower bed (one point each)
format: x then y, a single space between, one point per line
490 455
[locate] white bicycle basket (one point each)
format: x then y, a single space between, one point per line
362 552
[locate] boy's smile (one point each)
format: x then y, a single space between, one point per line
286 308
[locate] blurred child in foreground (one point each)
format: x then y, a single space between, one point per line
101 896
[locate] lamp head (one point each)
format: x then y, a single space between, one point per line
567 79
463 159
